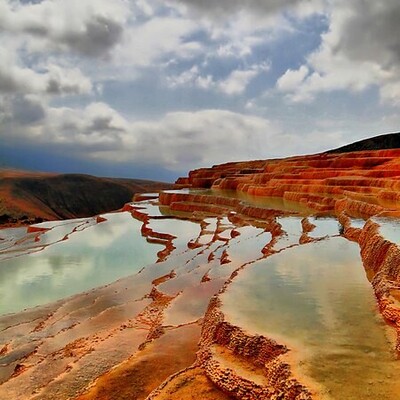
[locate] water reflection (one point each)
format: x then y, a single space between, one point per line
389 228
324 227
275 203
316 299
91 257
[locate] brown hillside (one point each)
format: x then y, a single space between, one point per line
30 196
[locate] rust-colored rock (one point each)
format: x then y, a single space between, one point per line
262 355
359 183
381 259
34 229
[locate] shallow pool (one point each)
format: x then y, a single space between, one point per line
389 228
99 254
316 299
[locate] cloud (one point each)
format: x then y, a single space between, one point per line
292 78
238 80
361 49
234 84
97 127
238 35
22 111
103 79
223 7
191 77
194 139
178 140
15 79
370 31
93 128
90 28
49 79
27 110
390 93
66 81
157 39
49 44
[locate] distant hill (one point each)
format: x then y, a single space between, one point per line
31 197
387 141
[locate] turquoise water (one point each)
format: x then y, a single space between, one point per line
91 256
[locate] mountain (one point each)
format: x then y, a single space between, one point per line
33 196
386 141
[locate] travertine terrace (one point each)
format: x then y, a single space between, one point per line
360 183
165 332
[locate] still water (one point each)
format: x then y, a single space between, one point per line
92 255
315 298
389 228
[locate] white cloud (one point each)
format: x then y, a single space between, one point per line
238 35
291 79
49 79
45 43
66 81
145 7
361 49
193 139
188 77
157 39
96 127
234 84
390 93
177 140
238 80
93 128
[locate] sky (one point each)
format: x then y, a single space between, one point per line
151 89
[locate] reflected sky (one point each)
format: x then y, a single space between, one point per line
389 228
357 223
97 255
183 230
323 227
316 299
